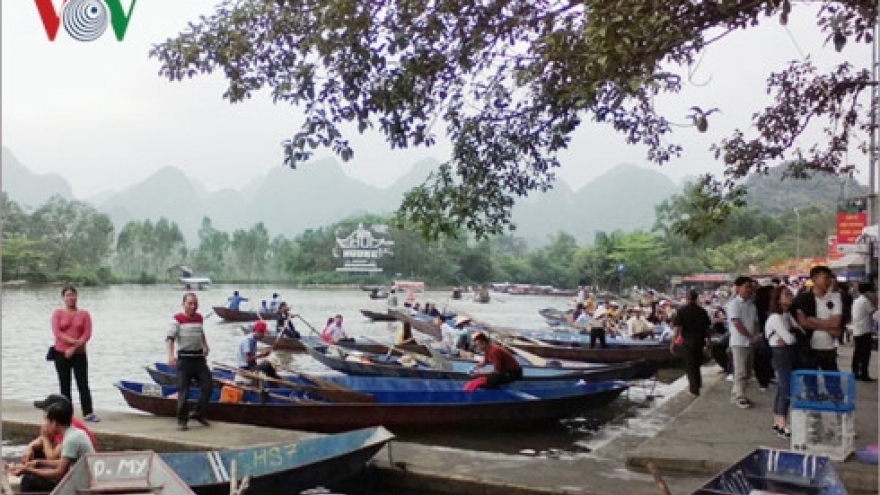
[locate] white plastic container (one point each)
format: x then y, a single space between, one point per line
828 433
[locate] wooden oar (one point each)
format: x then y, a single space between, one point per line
533 359
418 357
315 380
327 393
309 325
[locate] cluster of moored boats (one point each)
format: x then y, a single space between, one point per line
415 386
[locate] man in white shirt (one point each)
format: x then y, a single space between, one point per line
822 317
742 318
862 310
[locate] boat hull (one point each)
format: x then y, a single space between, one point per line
281 467
377 316
299 345
460 370
164 374
776 471
485 409
235 315
659 355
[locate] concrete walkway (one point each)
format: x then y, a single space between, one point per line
701 437
712 434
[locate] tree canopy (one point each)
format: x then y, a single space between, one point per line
508 82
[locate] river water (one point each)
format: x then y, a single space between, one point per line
130 323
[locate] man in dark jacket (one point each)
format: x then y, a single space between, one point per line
691 326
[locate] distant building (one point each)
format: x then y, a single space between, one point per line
361 250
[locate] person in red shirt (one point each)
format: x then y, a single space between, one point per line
505 367
48 446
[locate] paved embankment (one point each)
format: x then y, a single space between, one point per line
701 436
711 434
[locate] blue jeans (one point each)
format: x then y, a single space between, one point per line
783 362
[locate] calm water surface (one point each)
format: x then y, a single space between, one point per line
130 324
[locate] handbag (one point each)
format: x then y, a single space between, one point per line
51 354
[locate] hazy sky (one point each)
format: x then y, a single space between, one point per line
99 114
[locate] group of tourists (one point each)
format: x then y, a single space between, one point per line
608 319
790 328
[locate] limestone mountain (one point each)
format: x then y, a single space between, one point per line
319 194
623 198
773 194
27 188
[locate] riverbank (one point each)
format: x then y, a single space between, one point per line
701 436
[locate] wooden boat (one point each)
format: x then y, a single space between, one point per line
459 369
121 473
421 322
555 316
284 467
778 472
224 376
486 409
577 339
236 315
299 345
163 374
658 355
377 316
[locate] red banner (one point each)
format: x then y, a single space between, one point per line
849 226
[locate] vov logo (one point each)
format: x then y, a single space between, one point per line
85 20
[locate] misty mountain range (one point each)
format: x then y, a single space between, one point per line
319 194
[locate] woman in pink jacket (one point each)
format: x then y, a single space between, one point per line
72 328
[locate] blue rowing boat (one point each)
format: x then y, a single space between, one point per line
284 467
164 374
772 471
412 410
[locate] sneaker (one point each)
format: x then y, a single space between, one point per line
730 378
182 427
91 418
783 432
743 403
693 394
763 389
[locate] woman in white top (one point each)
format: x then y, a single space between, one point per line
779 332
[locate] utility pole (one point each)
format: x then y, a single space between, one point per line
873 213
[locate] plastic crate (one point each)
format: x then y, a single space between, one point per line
823 391
828 433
